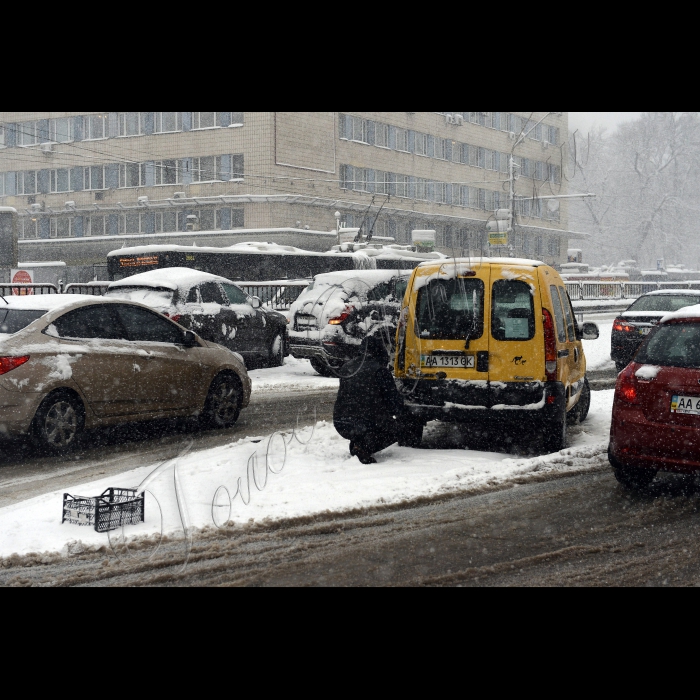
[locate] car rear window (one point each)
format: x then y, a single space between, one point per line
664 302
144 295
674 345
15 320
451 309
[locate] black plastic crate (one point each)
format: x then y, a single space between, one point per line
109 511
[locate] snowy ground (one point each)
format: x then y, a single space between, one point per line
317 476
294 375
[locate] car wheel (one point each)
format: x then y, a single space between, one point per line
276 355
322 368
579 412
223 404
554 435
58 422
634 478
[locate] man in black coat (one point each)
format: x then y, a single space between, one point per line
369 410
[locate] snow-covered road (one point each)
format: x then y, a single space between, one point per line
318 476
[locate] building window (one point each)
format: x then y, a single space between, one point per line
96 226
130 124
203 120
538 246
166 222
422 144
2 136
237 166
28 134
360 180
28 228
60 180
60 130
96 126
132 175
382 184
440 192
167 172
357 129
94 177
206 169
402 186
132 222
25 182
441 148
61 226
167 122
421 188
402 140
381 135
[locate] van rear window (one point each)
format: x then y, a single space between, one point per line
512 311
451 309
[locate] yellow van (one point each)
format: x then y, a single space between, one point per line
492 341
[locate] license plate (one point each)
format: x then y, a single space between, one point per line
644 331
686 404
306 322
457 361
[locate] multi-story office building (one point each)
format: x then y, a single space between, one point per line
79 176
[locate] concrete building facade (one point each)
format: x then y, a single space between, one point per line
178 176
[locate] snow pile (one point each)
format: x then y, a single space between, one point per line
647 372
307 474
294 375
686 312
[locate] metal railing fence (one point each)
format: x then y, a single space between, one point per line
600 291
279 297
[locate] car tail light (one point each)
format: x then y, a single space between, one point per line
174 317
7 364
550 347
620 325
626 389
339 319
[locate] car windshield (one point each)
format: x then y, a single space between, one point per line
14 320
151 296
451 309
664 302
674 345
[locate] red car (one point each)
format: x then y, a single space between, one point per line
656 411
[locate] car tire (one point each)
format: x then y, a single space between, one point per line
554 435
276 352
223 404
411 434
322 368
58 422
634 478
579 412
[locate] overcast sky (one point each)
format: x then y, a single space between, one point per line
584 121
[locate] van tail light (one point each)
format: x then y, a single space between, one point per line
338 320
626 389
620 325
550 346
7 364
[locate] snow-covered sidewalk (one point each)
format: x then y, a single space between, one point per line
294 375
318 476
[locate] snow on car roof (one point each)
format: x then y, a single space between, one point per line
45 302
174 278
682 292
486 261
690 312
370 276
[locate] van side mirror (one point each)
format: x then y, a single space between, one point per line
256 303
590 331
189 340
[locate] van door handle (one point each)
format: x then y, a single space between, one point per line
482 361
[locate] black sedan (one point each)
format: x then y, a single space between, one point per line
631 327
215 308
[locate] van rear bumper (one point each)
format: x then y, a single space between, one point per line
466 402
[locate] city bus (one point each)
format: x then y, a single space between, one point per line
257 262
